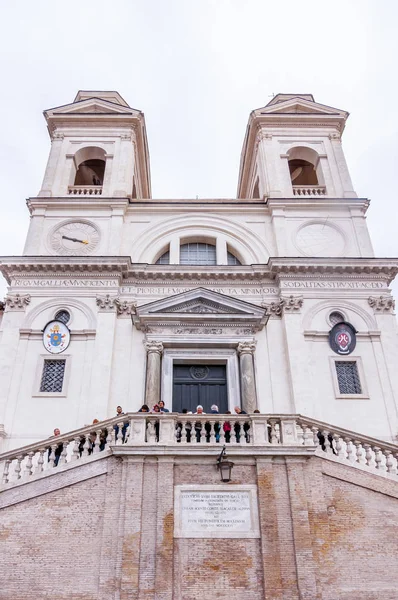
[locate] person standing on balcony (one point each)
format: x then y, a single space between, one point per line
119 412
162 407
58 449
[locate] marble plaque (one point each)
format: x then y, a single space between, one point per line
216 511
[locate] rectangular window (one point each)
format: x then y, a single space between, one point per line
348 377
52 378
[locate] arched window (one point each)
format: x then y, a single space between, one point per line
90 166
63 316
336 317
305 172
232 260
302 172
198 253
164 259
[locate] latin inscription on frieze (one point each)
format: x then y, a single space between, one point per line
64 283
334 285
216 511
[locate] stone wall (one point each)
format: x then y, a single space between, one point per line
105 529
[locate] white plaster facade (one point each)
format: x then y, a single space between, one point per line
304 252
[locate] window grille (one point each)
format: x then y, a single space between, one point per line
63 316
348 377
335 317
232 260
53 376
197 253
164 259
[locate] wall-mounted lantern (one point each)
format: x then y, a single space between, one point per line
225 466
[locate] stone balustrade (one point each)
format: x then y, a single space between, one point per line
266 433
309 190
85 190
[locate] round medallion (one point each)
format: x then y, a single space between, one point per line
199 372
319 239
342 338
74 238
56 337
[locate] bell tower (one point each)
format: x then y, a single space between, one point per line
98 165
293 148
98 148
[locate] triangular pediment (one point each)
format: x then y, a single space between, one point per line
91 106
299 105
199 305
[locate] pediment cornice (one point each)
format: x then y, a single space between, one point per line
189 308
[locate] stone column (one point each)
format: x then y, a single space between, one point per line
248 386
152 386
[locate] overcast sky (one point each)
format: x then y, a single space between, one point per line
196 68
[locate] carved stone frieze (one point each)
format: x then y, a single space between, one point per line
17 301
247 347
382 303
156 347
106 302
292 303
124 308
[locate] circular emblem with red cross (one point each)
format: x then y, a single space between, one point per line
342 338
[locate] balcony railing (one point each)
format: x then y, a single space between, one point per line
309 190
85 190
265 433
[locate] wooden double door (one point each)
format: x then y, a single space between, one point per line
199 384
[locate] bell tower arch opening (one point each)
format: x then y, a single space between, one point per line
305 169
89 167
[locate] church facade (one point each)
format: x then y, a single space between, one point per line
271 306
227 301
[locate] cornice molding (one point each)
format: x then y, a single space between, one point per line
122 268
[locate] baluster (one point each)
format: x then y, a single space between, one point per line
127 431
339 446
75 451
349 449
40 461
29 464
64 452
368 455
315 435
110 438
212 439
378 457
274 437
327 446
222 433
151 433
51 456
86 445
6 471
307 437
97 441
17 468
389 462
359 452
119 438
235 432
184 432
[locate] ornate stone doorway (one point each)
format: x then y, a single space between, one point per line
199 384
